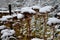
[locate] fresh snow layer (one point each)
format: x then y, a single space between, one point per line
58 13
19 16
2 27
36 7
36 39
27 9
53 20
5 18
8 16
45 9
57 26
58 30
5 11
7 32
17 9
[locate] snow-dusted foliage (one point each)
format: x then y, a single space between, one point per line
58 30
7 32
17 20
45 9
37 39
36 7
27 9
2 26
5 18
53 21
19 16
58 14
17 9
8 16
57 26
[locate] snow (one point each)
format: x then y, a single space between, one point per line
53 20
58 13
47 32
58 30
36 7
14 15
19 16
36 39
45 9
57 26
51 37
27 9
12 32
3 19
3 8
17 10
5 11
7 32
2 26
7 16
